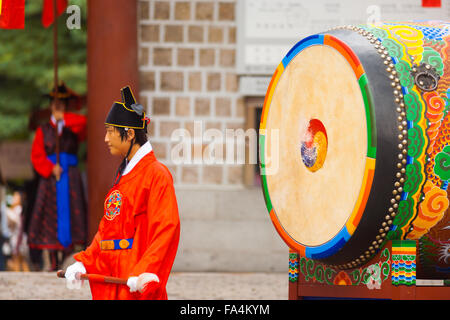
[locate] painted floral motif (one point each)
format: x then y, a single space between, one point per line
342 279
444 252
424 201
374 280
317 272
442 165
430 210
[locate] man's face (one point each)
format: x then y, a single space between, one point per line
116 145
58 105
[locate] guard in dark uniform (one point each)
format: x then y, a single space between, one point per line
58 219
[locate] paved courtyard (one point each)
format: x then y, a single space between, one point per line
181 286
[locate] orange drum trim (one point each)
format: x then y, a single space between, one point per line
346 52
290 242
269 94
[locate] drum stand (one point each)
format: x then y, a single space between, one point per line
391 274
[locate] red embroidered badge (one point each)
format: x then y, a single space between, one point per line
113 204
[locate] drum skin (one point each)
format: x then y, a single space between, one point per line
354 143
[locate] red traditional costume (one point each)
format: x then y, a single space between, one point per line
140 213
140 228
45 227
42 144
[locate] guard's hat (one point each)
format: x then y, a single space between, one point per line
128 113
63 92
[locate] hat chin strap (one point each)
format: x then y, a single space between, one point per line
124 163
129 149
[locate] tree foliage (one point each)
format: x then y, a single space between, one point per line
26 67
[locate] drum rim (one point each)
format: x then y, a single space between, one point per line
334 244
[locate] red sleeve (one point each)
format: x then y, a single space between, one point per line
163 231
89 256
76 123
39 157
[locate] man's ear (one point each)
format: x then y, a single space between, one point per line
131 134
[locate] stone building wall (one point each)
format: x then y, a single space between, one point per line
188 80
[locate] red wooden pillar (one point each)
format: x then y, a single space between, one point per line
112 58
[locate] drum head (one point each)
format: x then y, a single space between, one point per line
327 93
314 136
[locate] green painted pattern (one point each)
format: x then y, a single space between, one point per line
370 117
415 110
414 106
404 73
433 58
413 171
321 273
405 209
442 164
262 147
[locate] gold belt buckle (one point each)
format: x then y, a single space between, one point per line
124 243
107 245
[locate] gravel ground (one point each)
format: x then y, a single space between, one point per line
181 286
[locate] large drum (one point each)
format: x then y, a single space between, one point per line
354 143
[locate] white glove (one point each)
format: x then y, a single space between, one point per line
132 283
139 283
72 270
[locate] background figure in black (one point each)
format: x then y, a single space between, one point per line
58 219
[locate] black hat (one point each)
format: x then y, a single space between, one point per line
128 113
62 92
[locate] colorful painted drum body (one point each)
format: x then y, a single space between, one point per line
354 143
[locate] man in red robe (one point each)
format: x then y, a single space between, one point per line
140 229
58 219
